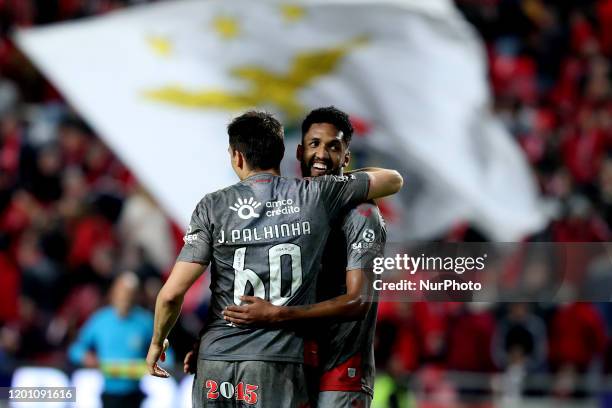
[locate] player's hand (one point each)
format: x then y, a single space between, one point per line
257 312
157 352
190 363
90 360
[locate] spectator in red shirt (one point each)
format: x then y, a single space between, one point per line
9 282
577 336
470 337
577 339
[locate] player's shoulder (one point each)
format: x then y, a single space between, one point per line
210 199
323 183
331 178
219 193
368 209
366 213
104 313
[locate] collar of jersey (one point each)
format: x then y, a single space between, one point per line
260 175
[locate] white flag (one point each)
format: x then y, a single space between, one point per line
160 82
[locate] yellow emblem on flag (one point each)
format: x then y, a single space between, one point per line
265 87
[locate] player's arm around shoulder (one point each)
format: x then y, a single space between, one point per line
383 182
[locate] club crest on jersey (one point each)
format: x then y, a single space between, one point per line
246 208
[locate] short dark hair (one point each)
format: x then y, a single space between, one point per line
259 136
333 116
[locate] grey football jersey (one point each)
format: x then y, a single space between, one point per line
264 236
353 244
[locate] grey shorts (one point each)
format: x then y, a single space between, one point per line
259 384
343 399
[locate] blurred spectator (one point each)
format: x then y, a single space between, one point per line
73 136
397 345
9 282
519 349
78 306
432 320
92 246
520 339
117 334
45 182
9 344
577 338
470 334
581 223
32 326
40 275
605 190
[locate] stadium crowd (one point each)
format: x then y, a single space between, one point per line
72 215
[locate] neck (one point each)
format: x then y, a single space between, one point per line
122 312
275 172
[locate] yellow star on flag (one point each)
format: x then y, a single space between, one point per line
292 13
160 45
226 27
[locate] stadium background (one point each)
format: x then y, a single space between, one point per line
70 217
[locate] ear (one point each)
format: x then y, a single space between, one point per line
347 158
299 152
240 162
237 158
